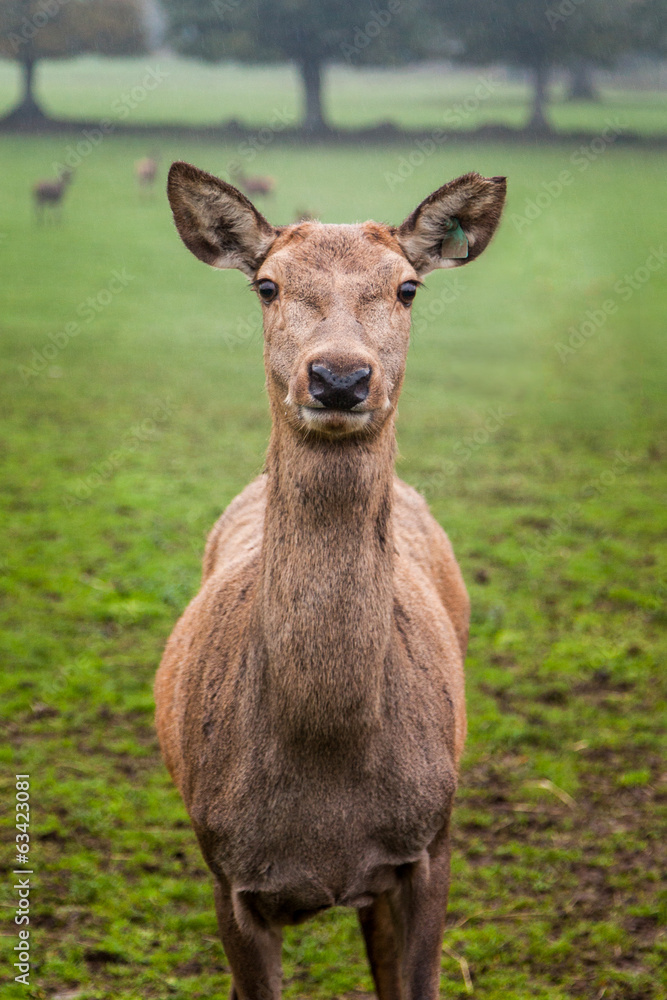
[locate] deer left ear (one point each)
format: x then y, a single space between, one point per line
454 224
216 222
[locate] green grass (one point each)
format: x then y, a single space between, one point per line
119 454
416 97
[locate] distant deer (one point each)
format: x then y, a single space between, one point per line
145 170
310 701
51 192
304 215
255 185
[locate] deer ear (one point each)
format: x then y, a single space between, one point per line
454 224
216 222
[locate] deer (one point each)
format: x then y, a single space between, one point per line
254 185
304 215
310 701
145 170
51 192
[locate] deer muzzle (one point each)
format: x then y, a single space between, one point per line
338 392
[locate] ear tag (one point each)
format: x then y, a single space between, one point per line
455 243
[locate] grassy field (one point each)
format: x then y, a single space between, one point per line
533 420
413 98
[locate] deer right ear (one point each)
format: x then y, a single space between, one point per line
454 224
216 222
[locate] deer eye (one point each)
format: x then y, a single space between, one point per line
407 292
267 290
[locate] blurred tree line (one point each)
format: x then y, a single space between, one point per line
542 36
31 30
537 36
308 33
534 35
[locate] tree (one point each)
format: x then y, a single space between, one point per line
637 26
646 26
31 30
582 87
539 35
308 33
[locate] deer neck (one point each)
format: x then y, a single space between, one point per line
327 579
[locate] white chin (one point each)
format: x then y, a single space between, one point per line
333 420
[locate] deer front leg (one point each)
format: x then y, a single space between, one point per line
253 951
377 926
403 931
422 912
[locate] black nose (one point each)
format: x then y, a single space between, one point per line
338 392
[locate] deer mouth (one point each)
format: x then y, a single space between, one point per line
333 421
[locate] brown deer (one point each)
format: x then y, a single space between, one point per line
254 185
310 701
145 170
304 215
51 192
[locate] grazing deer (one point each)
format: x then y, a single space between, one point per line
145 170
254 185
51 192
310 701
304 215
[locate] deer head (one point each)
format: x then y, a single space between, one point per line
336 298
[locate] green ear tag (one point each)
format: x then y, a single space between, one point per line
455 243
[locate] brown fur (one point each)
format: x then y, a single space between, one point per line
254 185
200 202
145 170
50 192
477 203
303 215
310 701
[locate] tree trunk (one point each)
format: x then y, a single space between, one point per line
581 84
27 110
311 77
538 121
